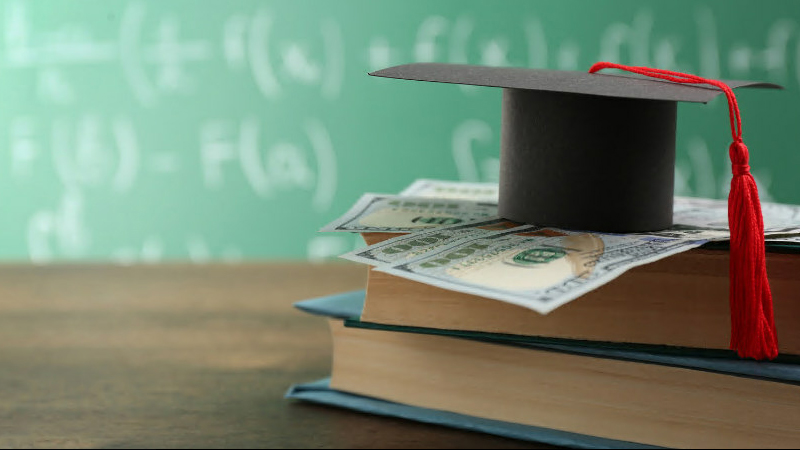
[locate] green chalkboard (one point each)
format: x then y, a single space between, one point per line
186 130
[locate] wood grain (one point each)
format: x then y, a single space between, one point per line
180 356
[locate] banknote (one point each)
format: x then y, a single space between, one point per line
398 214
481 192
711 214
693 218
536 268
688 212
678 231
414 245
778 239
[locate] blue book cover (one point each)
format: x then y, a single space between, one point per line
320 392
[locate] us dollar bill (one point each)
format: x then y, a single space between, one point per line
711 215
414 245
399 214
536 268
787 240
688 212
481 192
694 218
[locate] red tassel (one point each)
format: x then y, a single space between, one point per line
753 333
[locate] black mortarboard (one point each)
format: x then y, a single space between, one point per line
579 150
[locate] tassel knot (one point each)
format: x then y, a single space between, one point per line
740 169
739 158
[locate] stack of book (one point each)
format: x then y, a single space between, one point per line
639 361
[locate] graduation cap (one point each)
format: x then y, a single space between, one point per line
596 152
578 150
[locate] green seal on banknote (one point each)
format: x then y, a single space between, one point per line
538 255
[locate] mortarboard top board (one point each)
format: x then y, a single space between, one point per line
579 150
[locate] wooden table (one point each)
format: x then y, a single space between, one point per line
180 356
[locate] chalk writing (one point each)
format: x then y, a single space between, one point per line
168 112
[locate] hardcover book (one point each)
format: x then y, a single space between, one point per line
636 397
681 301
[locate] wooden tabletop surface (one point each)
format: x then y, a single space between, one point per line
181 356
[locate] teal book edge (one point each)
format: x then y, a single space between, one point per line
320 392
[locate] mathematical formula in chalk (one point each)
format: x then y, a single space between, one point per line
267 107
157 54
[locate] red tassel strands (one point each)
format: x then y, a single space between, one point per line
753 333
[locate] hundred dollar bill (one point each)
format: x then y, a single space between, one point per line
694 218
711 213
396 214
778 239
705 218
679 231
410 246
481 192
537 268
